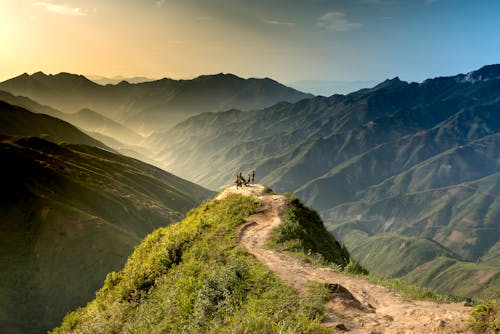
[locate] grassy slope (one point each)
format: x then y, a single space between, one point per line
69 214
192 277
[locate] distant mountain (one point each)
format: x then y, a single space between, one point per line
413 163
69 214
328 88
17 121
151 105
117 79
92 121
85 119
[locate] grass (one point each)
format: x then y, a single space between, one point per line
192 277
304 235
412 291
486 318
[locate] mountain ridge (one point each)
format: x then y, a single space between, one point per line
154 104
257 228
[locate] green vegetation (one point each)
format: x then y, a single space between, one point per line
412 291
303 234
486 318
192 277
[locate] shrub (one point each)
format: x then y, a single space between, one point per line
485 318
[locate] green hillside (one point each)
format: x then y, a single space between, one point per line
69 214
192 277
448 237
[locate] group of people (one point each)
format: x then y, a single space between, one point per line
241 181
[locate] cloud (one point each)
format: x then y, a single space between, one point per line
61 9
337 21
279 23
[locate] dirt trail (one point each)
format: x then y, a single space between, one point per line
361 307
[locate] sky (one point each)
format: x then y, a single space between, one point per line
287 40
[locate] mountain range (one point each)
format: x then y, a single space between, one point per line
71 210
153 105
328 88
414 163
406 175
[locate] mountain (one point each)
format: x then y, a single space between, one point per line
117 79
69 214
194 277
85 119
71 210
151 105
253 261
408 162
327 88
18 121
92 121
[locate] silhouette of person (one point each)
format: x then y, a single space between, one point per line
253 177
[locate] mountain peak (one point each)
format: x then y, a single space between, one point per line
218 76
488 72
38 74
390 83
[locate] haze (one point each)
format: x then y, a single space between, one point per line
287 40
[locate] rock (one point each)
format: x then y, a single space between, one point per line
388 317
468 302
342 327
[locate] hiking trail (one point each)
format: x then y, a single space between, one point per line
360 308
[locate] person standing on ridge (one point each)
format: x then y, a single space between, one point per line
253 177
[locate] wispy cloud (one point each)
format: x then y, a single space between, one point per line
61 9
337 21
279 23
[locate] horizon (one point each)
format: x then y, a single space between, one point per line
288 41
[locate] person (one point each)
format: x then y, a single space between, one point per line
253 177
237 181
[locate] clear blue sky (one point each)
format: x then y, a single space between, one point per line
287 40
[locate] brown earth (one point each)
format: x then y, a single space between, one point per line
356 306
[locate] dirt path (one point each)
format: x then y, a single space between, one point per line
361 307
